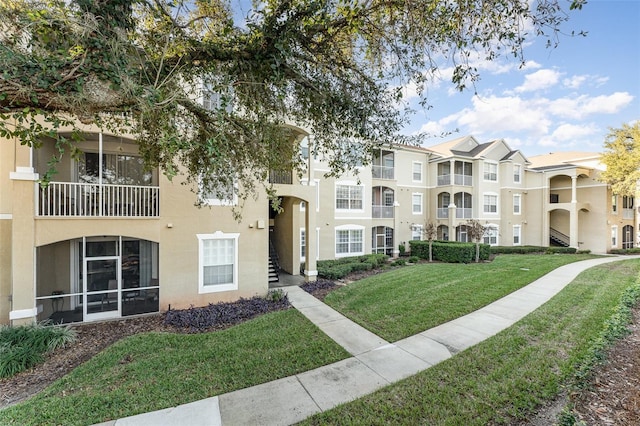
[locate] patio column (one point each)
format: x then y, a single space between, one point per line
452 221
310 268
23 305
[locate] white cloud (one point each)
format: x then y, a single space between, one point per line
539 80
582 106
571 132
575 81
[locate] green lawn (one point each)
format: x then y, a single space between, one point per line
409 300
504 379
152 371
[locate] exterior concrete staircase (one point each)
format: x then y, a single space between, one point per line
557 238
274 264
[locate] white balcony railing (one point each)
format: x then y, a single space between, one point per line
382 212
627 213
382 172
70 199
443 213
465 180
463 213
444 180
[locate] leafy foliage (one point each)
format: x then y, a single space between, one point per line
224 314
320 284
340 268
337 69
450 252
22 347
622 158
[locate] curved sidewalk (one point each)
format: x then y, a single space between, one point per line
375 363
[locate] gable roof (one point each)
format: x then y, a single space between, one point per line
564 159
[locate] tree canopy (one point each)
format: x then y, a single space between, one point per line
622 158
333 67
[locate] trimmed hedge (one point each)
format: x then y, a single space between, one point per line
339 268
449 251
517 249
634 250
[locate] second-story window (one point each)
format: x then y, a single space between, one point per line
117 169
349 197
416 203
614 203
516 203
491 172
627 202
417 171
517 173
490 203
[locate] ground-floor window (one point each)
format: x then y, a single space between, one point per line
517 238
614 236
490 235
416 232
443 233
218 255
349 240
461 234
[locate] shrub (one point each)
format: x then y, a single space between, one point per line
634 250
517 249
450 251
414 259
399 262
339 268
224 314
22 347
320 284
561 250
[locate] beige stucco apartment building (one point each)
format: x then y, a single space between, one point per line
107 239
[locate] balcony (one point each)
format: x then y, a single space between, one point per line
444 180
463 213
465 180
70 199
281 177
442 213
382 172
382 212
627 214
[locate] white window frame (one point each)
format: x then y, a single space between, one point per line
416 231
517 204
219 201
517 173
303 245
352 187
517 235
614 236
413 171
490 231
414 205
351 230
486 204
490 169
215 288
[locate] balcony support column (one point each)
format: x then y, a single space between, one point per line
452 221
574 189
310 266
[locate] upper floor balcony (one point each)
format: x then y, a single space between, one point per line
383 165
462 173
382 202
74 199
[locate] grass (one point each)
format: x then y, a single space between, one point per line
152 371
505 378
401 303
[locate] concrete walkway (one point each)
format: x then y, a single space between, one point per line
375 362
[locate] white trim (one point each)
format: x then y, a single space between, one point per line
421 203
312 273
6 216
349 227
348 184
485 163
519 197
25 313
519 234
24 173
484 204
413 164
218 235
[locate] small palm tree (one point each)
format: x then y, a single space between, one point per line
430 234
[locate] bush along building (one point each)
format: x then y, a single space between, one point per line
109 239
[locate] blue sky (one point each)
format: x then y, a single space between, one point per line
565 99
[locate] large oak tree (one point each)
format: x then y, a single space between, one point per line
622 158
334 67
